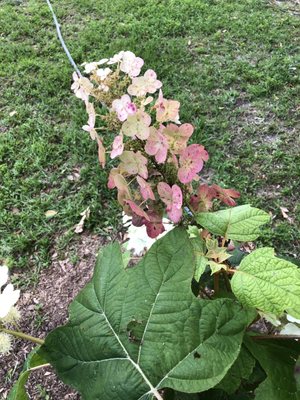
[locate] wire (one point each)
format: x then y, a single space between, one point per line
62 40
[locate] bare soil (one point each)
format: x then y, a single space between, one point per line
43 308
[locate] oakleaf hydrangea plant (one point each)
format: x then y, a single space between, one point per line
185 321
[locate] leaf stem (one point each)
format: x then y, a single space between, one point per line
40 366
22 335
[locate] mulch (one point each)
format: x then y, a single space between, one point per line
43 308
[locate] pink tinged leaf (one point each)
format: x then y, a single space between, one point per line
117 147
145 189
227 196
101 152
137 209
191 162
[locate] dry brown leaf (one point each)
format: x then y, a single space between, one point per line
284 212
85 215
50 213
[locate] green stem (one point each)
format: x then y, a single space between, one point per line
22 335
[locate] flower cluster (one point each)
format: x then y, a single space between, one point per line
8 313
158 171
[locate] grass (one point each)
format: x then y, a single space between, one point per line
233 66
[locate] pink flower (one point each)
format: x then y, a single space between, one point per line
137 209
191 162
227 196
137 125
82 87
166 110
157 145
178 136
145 189
144 84
172 197
123 107
131 64
111 178
134 164
90 127
154 226
117 147
202 201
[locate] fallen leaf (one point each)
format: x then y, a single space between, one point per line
50 213
12 113
85 215
284 212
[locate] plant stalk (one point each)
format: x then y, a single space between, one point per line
22 336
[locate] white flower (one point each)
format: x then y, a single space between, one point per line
139 241
103 73
5 343
131 64
82 87
116 58
9 296
90 67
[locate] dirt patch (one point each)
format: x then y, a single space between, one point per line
44 308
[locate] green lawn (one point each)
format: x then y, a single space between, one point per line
232 64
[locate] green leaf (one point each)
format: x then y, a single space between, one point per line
215 267
177 341
241 369
268 283
199 252
240 223
278 359
18 391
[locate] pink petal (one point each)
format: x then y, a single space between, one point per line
165 193
136 209
145 189
175 214
176 196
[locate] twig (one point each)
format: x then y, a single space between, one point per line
62 40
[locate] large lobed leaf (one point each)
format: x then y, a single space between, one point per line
135 331
240 223
268 283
